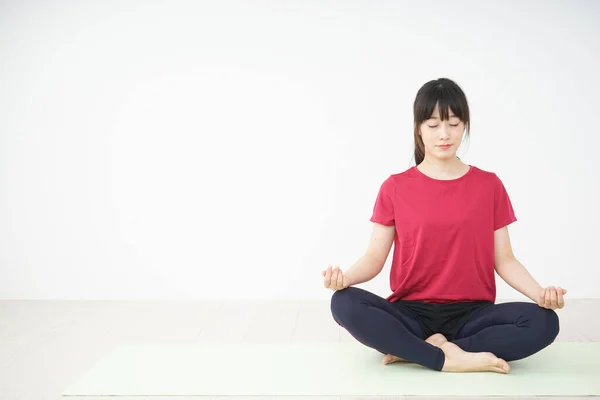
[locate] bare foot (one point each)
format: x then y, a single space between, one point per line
458 360
390 358
437 339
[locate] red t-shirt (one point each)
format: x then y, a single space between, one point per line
444 241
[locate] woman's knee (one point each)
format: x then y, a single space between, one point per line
342 302
548 324
553 323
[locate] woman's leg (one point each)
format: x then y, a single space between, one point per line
377 323
510 331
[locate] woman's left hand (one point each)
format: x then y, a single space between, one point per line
551 298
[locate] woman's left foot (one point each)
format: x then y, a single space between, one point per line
389 358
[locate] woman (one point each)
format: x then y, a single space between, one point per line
448 222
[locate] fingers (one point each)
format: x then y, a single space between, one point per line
327 280
335 278
331 277
553 297
340 280
561 300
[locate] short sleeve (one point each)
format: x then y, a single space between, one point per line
383 210
503 210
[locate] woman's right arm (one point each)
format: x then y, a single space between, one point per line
371 263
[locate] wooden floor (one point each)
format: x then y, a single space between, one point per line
46 345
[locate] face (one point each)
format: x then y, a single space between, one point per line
437 133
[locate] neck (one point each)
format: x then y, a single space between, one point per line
442 165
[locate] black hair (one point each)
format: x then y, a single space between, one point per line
447 95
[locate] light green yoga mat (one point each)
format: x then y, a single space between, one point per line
563 368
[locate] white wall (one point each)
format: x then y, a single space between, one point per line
233 149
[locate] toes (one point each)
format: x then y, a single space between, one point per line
503 365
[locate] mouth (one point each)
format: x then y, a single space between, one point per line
445 146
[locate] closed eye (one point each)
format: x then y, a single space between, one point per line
435 126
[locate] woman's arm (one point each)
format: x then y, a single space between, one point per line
371 263
510 269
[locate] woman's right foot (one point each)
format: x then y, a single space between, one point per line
458 360
437 339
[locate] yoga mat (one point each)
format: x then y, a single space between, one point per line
349 368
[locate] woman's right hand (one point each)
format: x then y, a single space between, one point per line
335 279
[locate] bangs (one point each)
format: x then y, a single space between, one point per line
445 94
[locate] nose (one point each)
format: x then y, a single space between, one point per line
444 131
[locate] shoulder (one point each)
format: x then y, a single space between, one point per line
407 174
482 172
391 182
397 179
485 175
489 180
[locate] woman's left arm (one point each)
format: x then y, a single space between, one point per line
517 276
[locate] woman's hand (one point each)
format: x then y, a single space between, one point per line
335 279
551 298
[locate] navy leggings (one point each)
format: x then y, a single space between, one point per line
510 331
